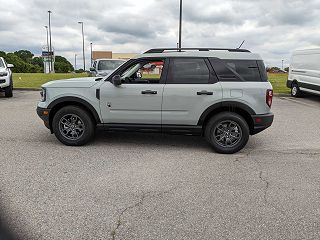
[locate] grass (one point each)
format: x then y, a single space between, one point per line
35 80
279 81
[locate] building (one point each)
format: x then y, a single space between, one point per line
111 55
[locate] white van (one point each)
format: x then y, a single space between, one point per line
304 72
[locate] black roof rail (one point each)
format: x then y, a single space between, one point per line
161 50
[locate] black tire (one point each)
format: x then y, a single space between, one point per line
8 91
83 126
295 90
218 127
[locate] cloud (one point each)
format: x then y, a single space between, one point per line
273 28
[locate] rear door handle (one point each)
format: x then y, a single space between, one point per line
149 92
204 92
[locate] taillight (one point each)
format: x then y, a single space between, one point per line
269 96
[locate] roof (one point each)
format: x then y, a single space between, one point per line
110 59
242 54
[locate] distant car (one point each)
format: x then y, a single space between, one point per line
103 67
304 72
6 83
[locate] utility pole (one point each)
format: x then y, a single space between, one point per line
48 46
282 64
91 53
83 55
180 24
75 62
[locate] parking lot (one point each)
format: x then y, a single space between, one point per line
152 186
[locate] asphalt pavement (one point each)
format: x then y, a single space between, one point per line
153 186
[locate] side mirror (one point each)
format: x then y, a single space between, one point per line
10 65
116 80
92 69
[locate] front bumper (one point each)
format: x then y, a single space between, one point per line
261 122
4 82
44 114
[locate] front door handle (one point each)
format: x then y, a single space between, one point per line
149 92
204 92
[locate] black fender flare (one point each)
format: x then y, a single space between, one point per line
228 105
76 100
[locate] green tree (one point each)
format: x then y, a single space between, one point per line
25 55
2 54
38 61
20 65
62 65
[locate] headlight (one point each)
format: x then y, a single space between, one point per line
3 74
43 95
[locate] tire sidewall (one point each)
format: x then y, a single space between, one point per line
87 121
223 117
297 94
9 89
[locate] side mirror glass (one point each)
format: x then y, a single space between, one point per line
10 65
116 80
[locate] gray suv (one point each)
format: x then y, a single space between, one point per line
221 94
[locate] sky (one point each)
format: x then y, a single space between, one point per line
272 28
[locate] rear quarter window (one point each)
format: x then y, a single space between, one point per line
229 70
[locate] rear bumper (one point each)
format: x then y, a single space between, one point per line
44 114
261 122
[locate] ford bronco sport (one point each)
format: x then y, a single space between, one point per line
221 94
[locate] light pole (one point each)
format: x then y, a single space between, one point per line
282 64
180 24
48 44
83 55
91 53
75 62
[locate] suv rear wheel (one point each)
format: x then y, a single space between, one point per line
227 132
73 126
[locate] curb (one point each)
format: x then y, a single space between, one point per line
27 89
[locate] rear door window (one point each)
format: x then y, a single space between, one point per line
188 71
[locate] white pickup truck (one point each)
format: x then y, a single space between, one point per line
6 83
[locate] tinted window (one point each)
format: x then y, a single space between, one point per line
1 64
188 71
109 64
236 70
263 71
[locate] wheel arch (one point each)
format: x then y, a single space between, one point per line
229 106
74 101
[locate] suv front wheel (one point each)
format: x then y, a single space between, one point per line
227 132
73 126
8 90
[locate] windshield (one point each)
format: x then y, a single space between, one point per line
1 64
109 64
